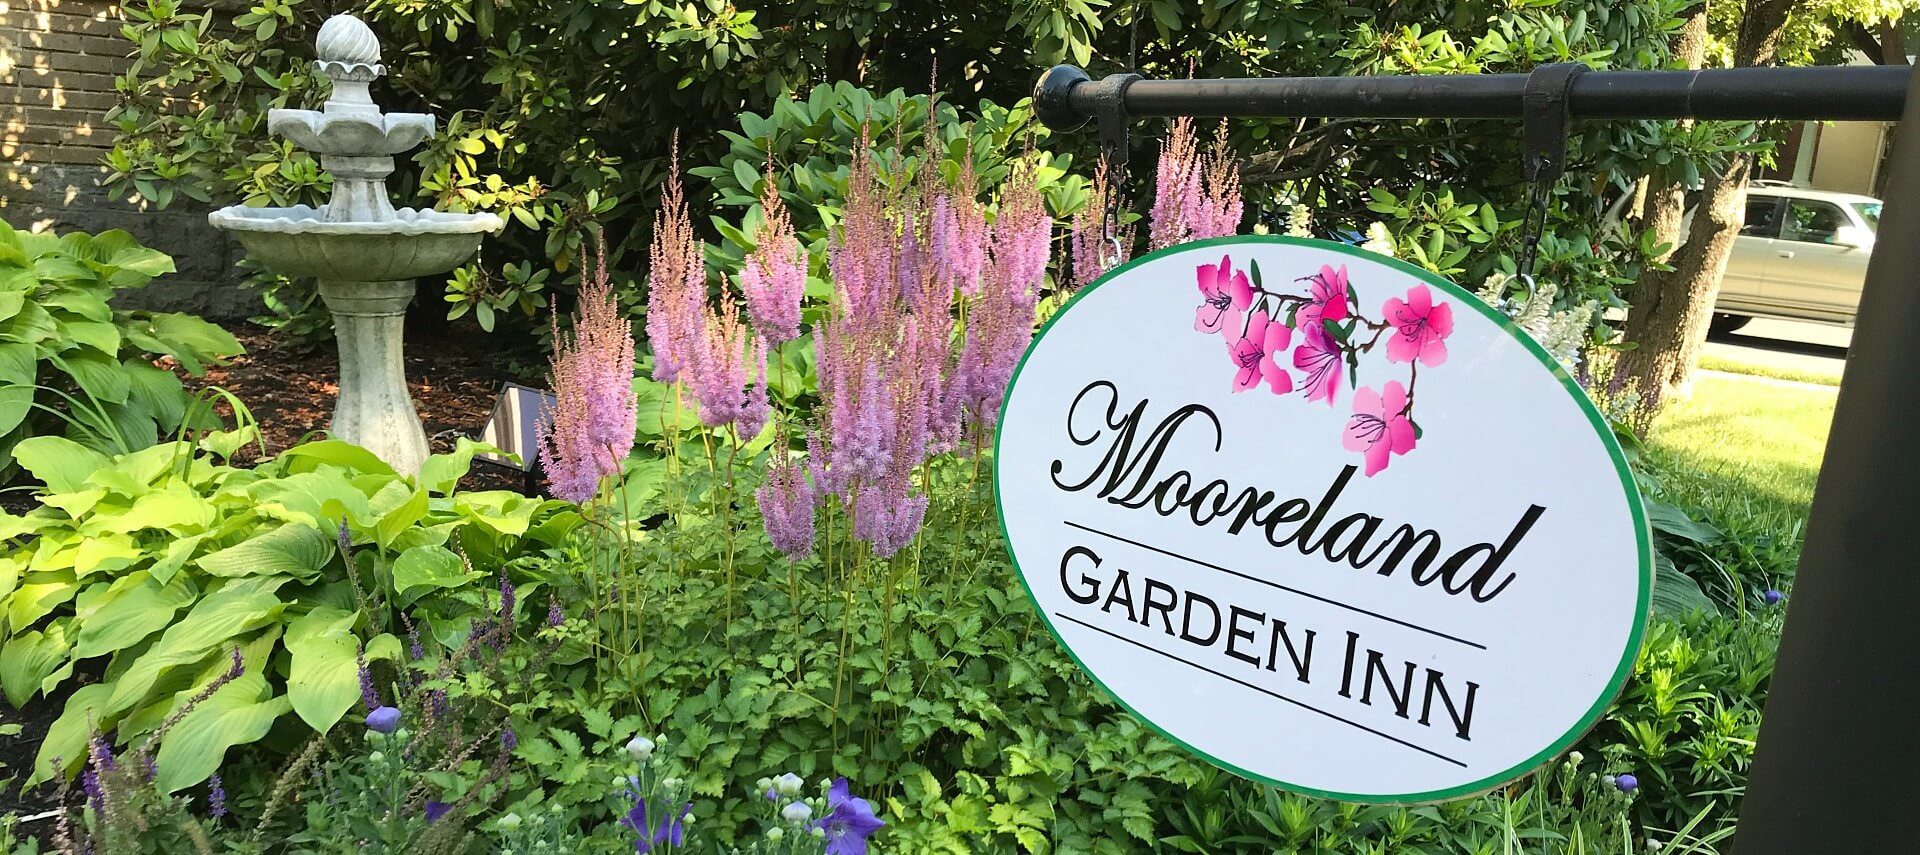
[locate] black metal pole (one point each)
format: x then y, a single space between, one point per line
1838 765
1065 98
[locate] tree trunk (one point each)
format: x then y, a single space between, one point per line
1667 198
1670 309
1893 43
1668 319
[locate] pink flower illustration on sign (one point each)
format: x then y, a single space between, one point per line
1226 295
1420 327
1319 356
1326 298
1254 354
1258 326
1380 427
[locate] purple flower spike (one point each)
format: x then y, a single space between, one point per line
216 798
436 810
1773 597
506 598
369 698
1627 783
508 739
96 797
346 538
555 617
383 720
849 821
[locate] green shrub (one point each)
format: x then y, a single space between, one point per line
165 560
72 364
560 116
1687 722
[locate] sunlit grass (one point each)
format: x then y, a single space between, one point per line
1745 450
1776 364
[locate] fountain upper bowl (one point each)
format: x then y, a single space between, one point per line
299 241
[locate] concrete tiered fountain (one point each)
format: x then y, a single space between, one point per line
365 253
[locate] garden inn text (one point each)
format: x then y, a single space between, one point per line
1121 590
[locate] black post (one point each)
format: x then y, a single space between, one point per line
1838 766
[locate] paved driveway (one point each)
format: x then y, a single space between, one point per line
1791 347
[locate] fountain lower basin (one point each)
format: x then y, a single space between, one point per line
299 241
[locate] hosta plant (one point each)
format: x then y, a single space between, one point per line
71 363
150 568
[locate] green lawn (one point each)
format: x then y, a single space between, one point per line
1785 366
1747 450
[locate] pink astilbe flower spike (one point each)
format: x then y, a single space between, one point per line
589 429
959 232
1196 194
1000 322
676 282
728 375
774 276
786 506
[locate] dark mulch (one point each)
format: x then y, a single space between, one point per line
454 378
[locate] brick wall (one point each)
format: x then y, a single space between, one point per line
58 61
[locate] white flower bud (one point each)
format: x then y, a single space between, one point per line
377 757
509 821
640 748
1575 758
819 832
796 813
788 784
776 833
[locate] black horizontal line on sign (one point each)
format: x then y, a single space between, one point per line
1265 691
1272 584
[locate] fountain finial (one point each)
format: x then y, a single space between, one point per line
348 45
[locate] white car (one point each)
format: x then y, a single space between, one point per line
1802 255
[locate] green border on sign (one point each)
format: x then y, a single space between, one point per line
1645 544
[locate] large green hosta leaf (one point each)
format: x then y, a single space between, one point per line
60 462
28 658
290 550
240 606
424 568
240 712
17 373
65 744
126 611
324 680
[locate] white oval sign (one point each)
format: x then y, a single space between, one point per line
1324 519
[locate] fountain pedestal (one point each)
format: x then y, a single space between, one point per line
375 411
365 253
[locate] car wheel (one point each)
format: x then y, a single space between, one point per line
1723 323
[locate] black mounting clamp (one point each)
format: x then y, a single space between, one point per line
1053 104
1544 118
